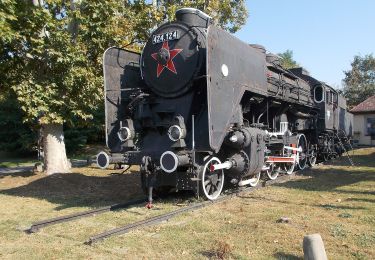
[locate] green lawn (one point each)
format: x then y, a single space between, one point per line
10 162
334 200
88 151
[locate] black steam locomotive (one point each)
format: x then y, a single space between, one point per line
198 108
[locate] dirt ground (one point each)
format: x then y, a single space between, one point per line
334 200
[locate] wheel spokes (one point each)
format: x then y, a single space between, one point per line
212 182
303 155
208 188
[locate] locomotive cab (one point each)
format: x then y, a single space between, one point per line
326 98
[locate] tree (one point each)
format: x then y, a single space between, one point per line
51 55
53 67
359 81
230 15
287 60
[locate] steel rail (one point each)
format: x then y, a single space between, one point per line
35 227
165 217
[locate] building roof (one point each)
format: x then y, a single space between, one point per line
366 106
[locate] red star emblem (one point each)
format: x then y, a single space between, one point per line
169 64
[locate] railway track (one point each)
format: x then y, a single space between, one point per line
195 206
35 227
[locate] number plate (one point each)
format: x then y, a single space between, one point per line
168 36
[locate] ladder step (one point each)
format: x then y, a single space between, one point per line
343 147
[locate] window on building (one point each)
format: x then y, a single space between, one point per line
370 126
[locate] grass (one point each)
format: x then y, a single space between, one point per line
8 161
11 162
334 200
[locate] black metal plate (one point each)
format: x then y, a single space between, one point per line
246 72
121 72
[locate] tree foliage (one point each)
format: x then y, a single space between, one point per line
15 136
287 60
57 76
359 81
230 15
51 55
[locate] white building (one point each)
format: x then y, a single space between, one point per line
364 122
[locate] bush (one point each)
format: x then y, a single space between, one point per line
15 136
22 138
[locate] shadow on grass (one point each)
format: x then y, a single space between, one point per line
208 254
77 189
285 256
80 190
331 179
24 174
367 160
331 206
362 200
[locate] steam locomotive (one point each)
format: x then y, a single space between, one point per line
199 108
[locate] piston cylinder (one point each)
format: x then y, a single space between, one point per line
103 160
169 161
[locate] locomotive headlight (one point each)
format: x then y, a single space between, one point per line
124 134
176 133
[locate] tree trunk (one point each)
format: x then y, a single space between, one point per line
55 160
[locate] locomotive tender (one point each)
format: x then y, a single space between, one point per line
198 107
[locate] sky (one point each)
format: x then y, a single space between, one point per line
324 35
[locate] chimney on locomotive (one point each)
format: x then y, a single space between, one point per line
193 17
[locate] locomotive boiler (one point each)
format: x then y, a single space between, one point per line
199 108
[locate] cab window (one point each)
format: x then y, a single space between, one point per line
331 97
334 98
318 94
328 96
